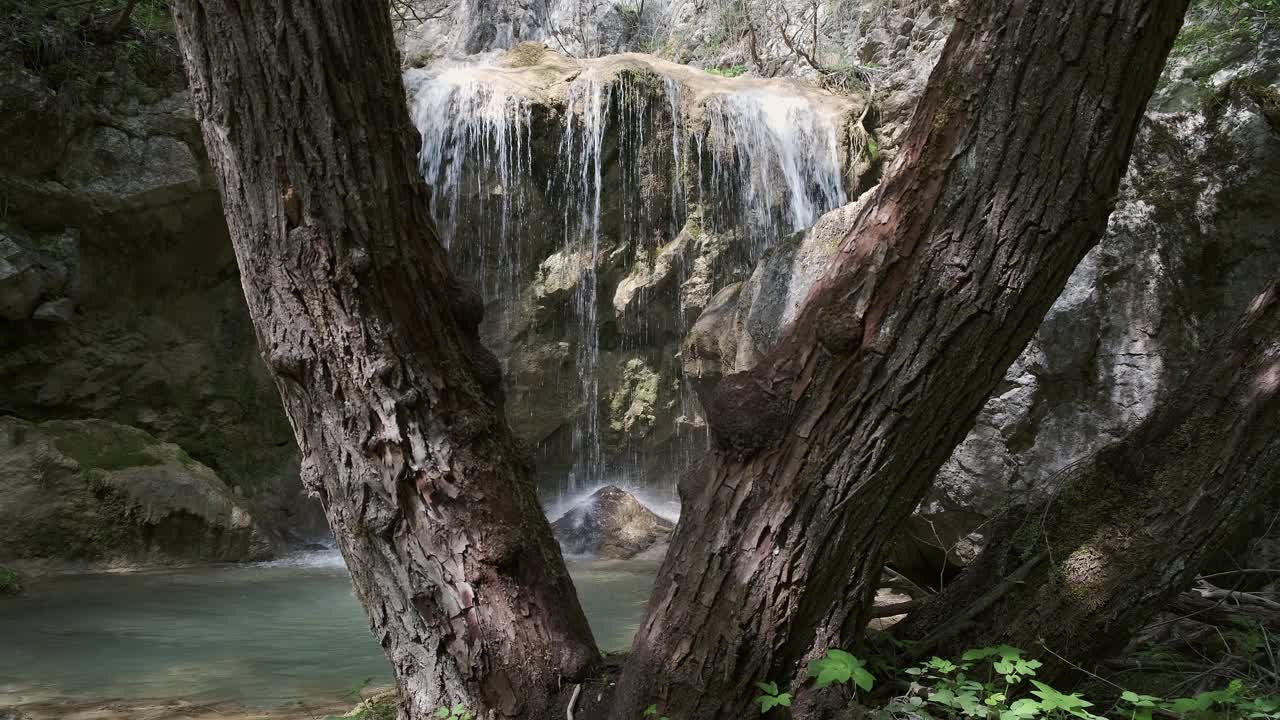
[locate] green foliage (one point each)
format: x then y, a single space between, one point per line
997 683
384 706
9 583
839 667
728 71
772 697
354 692
457 712
652 712
872 150
1216 23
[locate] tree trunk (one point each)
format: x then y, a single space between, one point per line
1132 526
1004 182
374 347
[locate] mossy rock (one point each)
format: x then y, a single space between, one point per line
94 491
9 582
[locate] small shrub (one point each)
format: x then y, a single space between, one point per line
728 71
9 584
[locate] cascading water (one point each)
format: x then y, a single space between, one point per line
477 144
581 160
747 161
774 162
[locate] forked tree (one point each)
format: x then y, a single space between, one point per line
1004 181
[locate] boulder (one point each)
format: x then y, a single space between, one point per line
611 525
100 493
55 311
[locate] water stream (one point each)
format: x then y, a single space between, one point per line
262 635
599 174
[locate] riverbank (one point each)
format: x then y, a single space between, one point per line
169 710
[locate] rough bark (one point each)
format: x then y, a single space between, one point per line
373 344
1134 524
1005 180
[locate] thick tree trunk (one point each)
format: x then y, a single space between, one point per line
373 344
1005 180
1131 526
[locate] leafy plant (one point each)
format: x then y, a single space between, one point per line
652 711
998 683
457 712
384 706
728 71
1216 23
840 667
355 692
1141 706
772 697
9 584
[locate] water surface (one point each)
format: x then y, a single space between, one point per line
262 635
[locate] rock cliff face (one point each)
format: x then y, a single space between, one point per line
629 223
119 296
1195 235
95 492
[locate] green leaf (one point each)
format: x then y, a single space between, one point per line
458 709
1020 709
943 696
651 711
945 667
769 702
768 688
839 667
442 712
1142 701
970 705
1051 699
978 654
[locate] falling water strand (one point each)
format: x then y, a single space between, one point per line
776 163
756 166
580 170
476 147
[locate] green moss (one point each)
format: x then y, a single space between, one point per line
634 402
73 48
383 706
872 150
107 448
9 584
728 71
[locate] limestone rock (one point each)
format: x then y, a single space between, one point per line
611 525
55 311
33 269
97 492
632 409
110 210
1192 238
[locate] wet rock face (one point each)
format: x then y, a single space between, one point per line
599 205
1192 239
92 491
611 525
119 294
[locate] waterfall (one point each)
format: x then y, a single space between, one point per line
529 176
580 172
477 142
775 160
